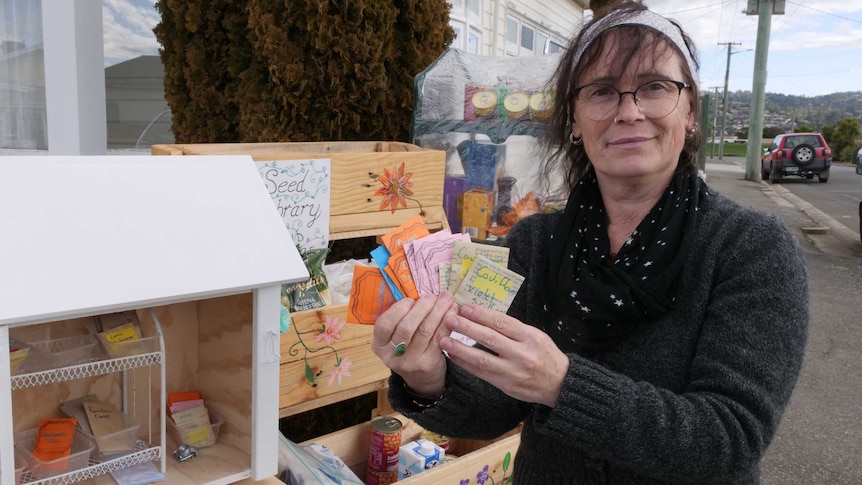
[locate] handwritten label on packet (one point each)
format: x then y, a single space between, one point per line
54 441
463 255
123 333
489 285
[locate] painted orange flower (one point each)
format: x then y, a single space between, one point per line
396 185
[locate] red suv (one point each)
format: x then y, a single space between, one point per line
801 154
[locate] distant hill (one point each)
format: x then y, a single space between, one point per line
787 111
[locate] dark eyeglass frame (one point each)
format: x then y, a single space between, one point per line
680 85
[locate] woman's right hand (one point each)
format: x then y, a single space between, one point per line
418 324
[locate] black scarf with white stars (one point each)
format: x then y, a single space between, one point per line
593 301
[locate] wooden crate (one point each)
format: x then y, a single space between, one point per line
355 211
472 456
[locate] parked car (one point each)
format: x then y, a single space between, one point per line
800 154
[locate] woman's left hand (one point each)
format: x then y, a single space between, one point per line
528 365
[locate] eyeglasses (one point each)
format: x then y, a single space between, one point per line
655 99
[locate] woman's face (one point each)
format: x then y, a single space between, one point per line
634 146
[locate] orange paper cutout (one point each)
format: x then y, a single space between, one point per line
413 229
369 295
394 277
54 439
399 265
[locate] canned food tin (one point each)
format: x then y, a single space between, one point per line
516 104
437 438
484 102
384 440
373 477
540 105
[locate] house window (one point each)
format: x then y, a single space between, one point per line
465 18
474 7
512 27
525 38
473 41
23 124
541 43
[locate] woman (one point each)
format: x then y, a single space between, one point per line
661 326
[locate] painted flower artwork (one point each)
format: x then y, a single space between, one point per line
326 334
484 475
340 371
396 188
331 331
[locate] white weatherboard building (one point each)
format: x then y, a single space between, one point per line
515 27
57 97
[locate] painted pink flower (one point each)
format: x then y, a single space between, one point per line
341 370
331 330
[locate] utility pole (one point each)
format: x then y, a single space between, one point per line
714 123
764 9
704 120
724 102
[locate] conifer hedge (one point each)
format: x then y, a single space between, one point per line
296 70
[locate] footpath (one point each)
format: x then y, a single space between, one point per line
815 230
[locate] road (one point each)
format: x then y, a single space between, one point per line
839 198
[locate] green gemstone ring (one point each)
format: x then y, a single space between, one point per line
399 349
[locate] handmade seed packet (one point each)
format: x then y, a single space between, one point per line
54 441
411 230
107 425
400 268
428 253
489 285
369 295
464 253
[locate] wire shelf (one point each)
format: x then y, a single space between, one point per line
95 468
90 369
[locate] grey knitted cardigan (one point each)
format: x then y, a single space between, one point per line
694 397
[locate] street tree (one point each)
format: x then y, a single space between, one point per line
842 139
270 70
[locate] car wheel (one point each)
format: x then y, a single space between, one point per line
823 176
803 154
776 175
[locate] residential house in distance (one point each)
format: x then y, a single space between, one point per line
516 28
136 106
23 122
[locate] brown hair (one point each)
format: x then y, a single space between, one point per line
634 42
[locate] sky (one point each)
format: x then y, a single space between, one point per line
815 48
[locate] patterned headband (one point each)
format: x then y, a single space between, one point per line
645 18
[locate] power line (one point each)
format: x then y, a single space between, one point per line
825 12
719 4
